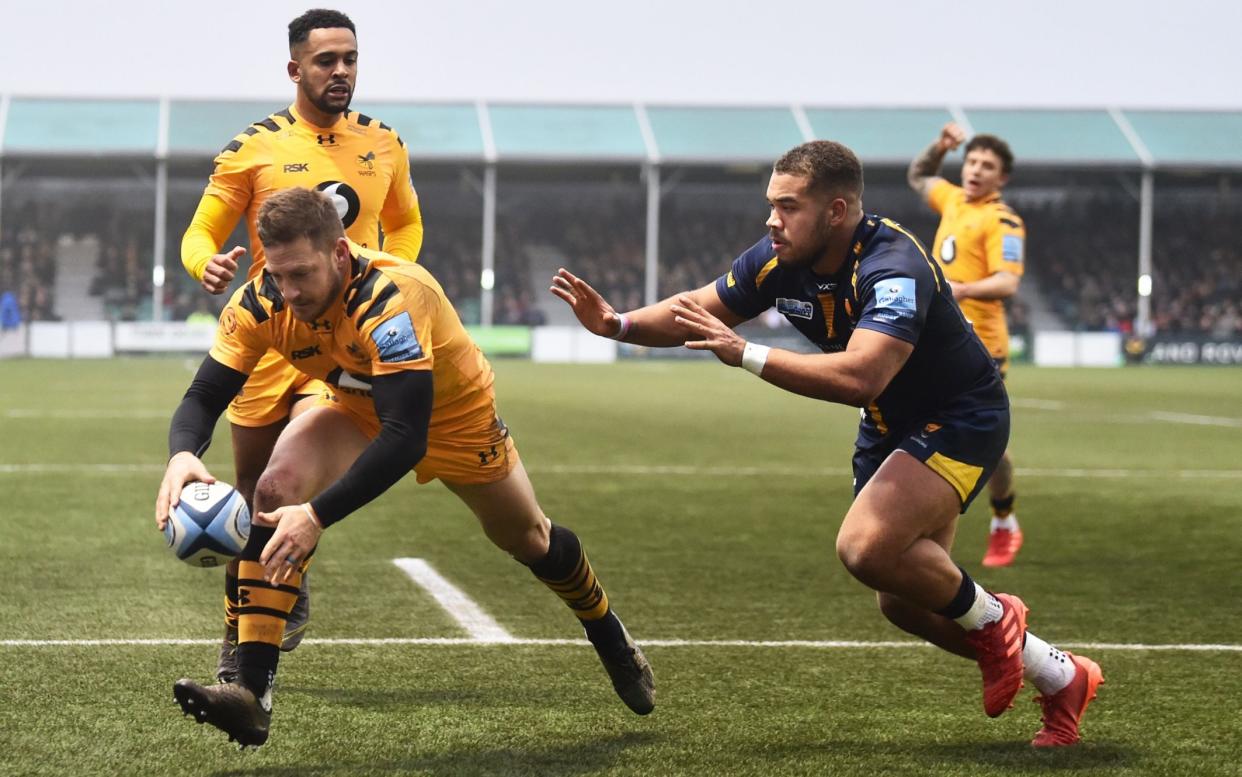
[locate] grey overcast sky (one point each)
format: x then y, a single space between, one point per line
1185 54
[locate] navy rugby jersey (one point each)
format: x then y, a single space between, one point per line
888 284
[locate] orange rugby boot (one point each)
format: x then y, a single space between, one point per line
1003 546
1063 710
998 648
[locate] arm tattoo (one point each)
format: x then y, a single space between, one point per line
924 166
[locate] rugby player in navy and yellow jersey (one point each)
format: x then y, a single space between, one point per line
408 389
935 420
317 143
979 246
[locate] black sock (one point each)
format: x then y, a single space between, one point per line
1001 508
962 601
257 666
566 570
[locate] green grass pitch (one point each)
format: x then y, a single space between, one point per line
709 504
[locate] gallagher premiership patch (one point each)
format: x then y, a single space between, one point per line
1011 248
896 294
396 340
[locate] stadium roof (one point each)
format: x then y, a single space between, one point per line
506 132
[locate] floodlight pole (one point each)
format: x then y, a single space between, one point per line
651 274
488 275
1142 322
158 276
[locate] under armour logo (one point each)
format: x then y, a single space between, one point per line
327 140
323 324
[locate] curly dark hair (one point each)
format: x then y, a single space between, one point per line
996 146
317 19
829 165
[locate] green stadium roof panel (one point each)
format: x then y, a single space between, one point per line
38 126
881 134
1190 137
723 134
205 126
433 131
579 132
1057 136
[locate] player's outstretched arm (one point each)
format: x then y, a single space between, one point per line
924 171
212 224
856 376
654 325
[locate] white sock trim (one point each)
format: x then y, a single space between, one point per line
1049 669
986 609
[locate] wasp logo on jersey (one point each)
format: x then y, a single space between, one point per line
897 295
367 161
794 307
396 340
347 202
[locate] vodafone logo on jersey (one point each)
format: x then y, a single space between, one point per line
347 202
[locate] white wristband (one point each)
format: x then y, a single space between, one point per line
625 327
754 356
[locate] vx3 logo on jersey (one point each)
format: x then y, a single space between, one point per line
826 286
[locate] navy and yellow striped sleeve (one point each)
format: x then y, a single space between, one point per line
741 289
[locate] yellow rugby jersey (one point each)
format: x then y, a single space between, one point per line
392 316
361 162
975 240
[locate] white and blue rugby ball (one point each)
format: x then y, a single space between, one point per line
210 526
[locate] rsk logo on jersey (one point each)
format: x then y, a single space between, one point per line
298 167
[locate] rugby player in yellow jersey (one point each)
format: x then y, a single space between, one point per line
408 389
980 246
315 143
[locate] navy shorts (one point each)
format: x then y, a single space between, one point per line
962 448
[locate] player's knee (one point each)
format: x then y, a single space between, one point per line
276 487
528 543
862 556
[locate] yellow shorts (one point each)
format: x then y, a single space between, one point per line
268 394
472 450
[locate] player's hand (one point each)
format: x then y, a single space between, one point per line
296 536
220 270
716 336
951 136
183 468
592 310
958 290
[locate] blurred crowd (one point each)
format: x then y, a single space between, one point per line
1081 251
27 276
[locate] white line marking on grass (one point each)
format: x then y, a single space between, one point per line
681 470
832 644
1197 420
470 616
92 415
1038 404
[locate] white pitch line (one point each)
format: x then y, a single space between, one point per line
469 615
681 470
1037 404
832 644
91 415
1197 420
